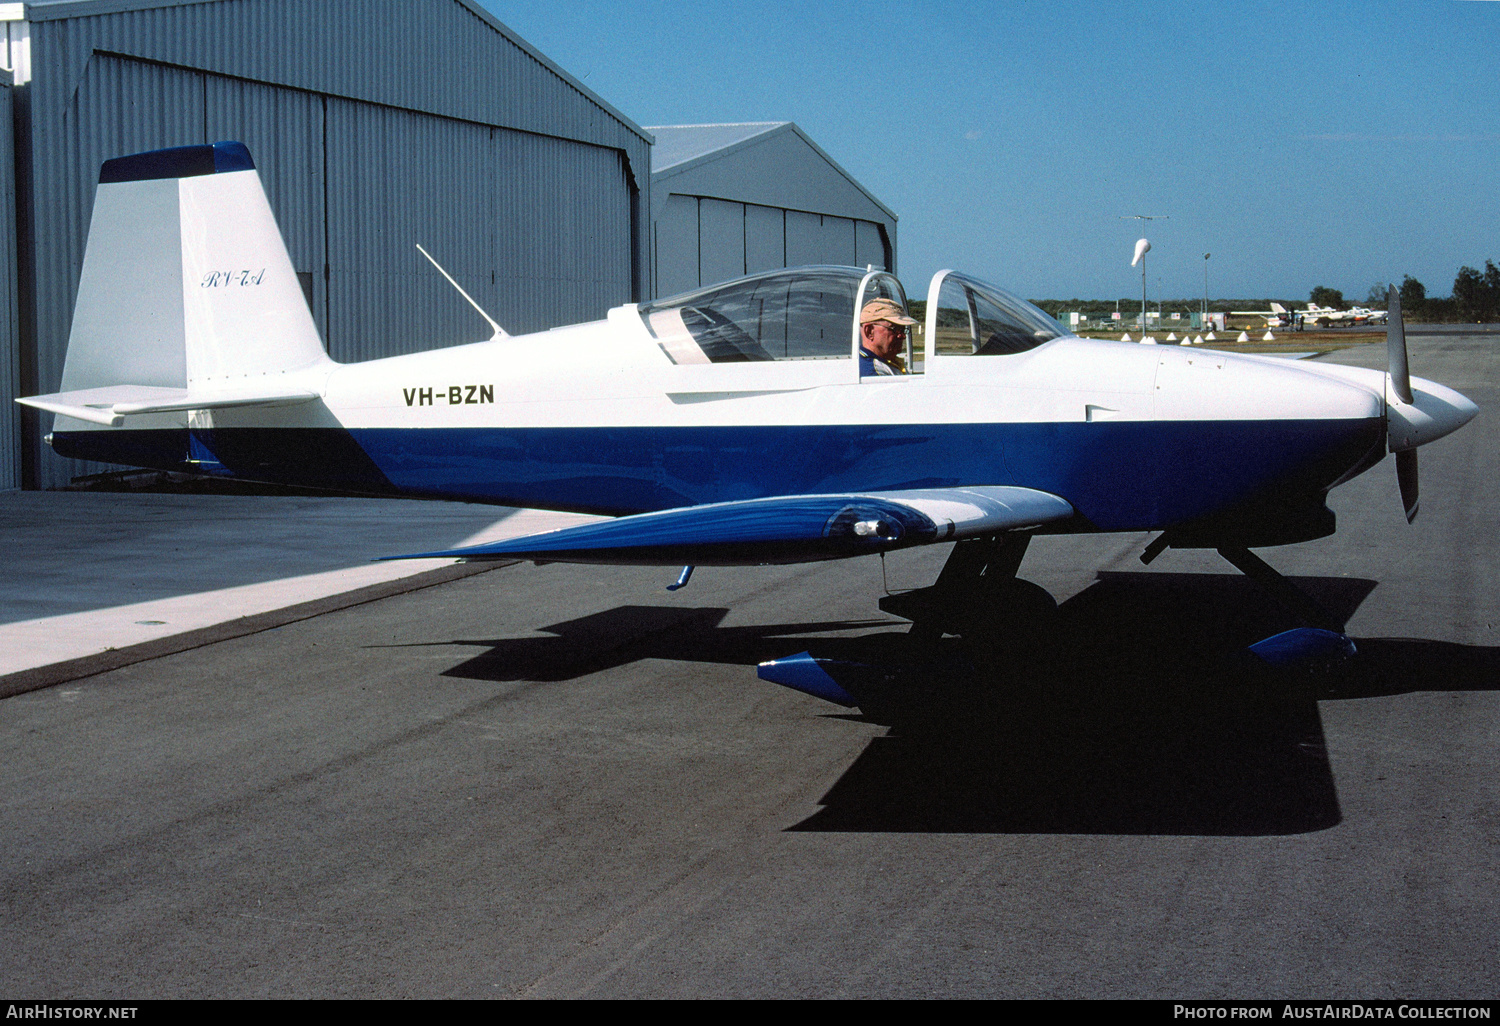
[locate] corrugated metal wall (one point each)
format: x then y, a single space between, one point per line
10 335
738 199
765 238
818 239
721 240
702 241
676 246
375 126
537 229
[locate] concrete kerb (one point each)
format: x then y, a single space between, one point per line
37 678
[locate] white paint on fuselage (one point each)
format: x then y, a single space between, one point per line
613 373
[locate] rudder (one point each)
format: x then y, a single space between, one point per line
186 280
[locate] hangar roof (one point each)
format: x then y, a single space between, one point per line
678 144
694 150
54 10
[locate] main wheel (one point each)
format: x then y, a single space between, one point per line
1010 618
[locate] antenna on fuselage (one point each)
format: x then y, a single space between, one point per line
499 331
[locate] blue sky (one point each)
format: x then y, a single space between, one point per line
1334 144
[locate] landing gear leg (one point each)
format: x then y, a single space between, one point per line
1291 597
977 569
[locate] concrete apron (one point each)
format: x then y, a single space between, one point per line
70 549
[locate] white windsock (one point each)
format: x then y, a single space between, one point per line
1142 247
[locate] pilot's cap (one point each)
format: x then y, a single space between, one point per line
884 310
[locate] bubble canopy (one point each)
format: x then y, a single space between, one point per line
810 313
969 317
800 313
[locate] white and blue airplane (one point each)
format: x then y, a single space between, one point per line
734 425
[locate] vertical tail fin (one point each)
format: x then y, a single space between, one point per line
186 280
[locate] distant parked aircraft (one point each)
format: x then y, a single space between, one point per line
1276 317
1325 316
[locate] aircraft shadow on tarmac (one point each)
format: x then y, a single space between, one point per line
1136 711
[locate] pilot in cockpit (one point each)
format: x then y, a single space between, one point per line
882 337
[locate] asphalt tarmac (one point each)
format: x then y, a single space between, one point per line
564 781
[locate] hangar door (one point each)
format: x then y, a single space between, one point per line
702 241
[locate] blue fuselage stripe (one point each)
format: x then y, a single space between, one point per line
1118 475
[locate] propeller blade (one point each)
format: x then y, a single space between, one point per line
1406 477
1395 344
1400 378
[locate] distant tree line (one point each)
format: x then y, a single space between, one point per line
1476 298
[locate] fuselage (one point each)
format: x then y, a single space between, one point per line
597 418
192 348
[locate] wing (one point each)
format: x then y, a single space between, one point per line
784 529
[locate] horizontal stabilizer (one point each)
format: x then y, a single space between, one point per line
784 529
111 404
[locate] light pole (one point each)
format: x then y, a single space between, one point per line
1205 284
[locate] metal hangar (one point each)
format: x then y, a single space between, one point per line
375 126
729 200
